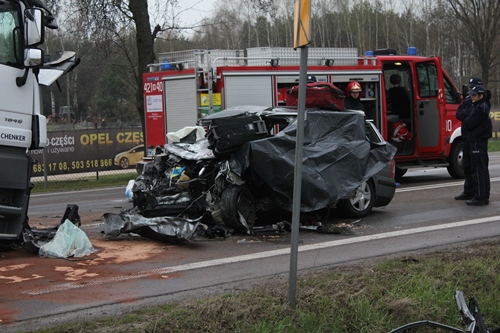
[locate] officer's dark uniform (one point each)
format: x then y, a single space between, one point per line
478 127
353 104
463 112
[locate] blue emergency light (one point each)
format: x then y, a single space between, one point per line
165 65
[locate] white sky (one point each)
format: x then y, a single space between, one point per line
200 9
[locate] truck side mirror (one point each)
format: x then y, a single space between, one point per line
33 58
33 29
458 97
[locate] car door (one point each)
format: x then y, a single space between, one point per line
429 96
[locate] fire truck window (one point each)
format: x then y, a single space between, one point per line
399 95
427 79
10 33
449 91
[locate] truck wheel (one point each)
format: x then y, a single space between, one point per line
455 160
124 163
362 203
238 208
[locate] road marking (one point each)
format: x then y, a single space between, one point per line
253 256
427 187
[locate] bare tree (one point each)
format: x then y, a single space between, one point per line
108 20
477 23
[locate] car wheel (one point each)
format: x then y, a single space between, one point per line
124 163
455 160
238 208
362 202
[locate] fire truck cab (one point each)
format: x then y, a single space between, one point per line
410 98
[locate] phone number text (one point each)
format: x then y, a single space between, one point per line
73 165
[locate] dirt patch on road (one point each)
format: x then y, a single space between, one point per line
122 251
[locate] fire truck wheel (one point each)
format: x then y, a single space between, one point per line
455 160
124 163
238 208
362 202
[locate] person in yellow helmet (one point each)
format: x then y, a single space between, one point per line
353 100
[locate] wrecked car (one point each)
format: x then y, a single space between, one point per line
242 169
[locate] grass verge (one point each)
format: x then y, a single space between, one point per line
369 298
493 145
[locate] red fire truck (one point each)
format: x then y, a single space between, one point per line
410 98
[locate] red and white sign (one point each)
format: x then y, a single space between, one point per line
155 112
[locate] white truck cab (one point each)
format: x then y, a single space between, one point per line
22 124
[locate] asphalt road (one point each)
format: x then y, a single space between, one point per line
133 272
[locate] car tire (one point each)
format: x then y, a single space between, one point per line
238 201
362 203
455 167
124 163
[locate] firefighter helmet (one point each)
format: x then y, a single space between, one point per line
400 132
353 86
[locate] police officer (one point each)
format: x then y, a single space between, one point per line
353 101
478 127
462 112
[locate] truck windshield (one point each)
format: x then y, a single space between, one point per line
10 34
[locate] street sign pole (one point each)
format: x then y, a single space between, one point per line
302 34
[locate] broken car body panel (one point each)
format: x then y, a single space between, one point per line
165 229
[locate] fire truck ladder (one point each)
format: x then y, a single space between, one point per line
204 81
